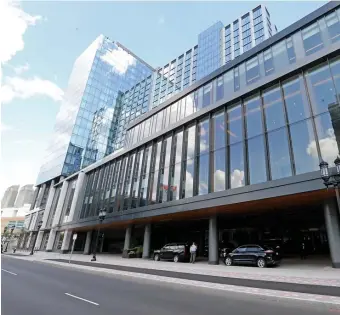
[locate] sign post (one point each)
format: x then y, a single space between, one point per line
74 240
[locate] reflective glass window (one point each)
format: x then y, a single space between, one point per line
219 130
147 128
253 116
173 113
136 179
333 26
166 119
312 40
203 136
219 170
294 94
328 131
257 160
252 70
280 165
128 181
235 124
207 94
189 104
280 56
290 50
304 147
203 174
189 139
236 165
321 88
155 170
145 176
335 69
273 108
175 174
188 178
236 79
268 61
219 88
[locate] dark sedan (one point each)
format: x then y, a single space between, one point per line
261 256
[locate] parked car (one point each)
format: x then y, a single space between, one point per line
174 251
261 256
222 249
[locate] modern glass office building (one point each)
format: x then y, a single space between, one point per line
234 157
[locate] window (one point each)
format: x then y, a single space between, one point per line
273 107
280 165
188 178
235 124
236 79
304 147
321 88
203 136
335 70
219 170
203 173
236 167
155 165
257 160
253 116
207 94
312 40
333 26
175 169
296 100
173 113
252 70
290 50
219 88
268 62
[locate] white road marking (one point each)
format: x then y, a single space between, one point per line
12 273
79 298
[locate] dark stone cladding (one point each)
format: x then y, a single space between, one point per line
308 19
303 183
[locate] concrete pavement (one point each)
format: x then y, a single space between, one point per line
30 287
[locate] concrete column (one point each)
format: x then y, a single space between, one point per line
78 196
213 241
333 231
40 196
60 204
65 247
39 239
48 205
35 196
147 241
127 242
87 248
51 239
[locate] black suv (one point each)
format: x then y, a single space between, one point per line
174 251
261 256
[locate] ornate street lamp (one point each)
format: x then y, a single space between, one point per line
101 217
35 240
331 178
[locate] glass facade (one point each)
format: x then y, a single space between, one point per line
277 132
87 127
279 57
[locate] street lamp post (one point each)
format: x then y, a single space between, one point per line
101 217
332 179
35 240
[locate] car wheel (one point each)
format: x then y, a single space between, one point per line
228 261
261 263
176 258
156 257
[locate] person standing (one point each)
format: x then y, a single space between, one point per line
193 250
303 250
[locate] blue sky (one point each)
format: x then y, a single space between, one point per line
45 38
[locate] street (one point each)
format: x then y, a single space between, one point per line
38 288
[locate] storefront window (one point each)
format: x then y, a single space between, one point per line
280 165
257 160
304 147
273 108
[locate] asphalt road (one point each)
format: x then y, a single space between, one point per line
40 289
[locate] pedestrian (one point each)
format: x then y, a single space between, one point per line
193 250
303 251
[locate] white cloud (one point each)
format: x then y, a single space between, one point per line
161 20
237 178
16 87
328 147
5 127
119 59
24 141
22 68
13 23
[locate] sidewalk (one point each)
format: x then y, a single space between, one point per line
317 272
